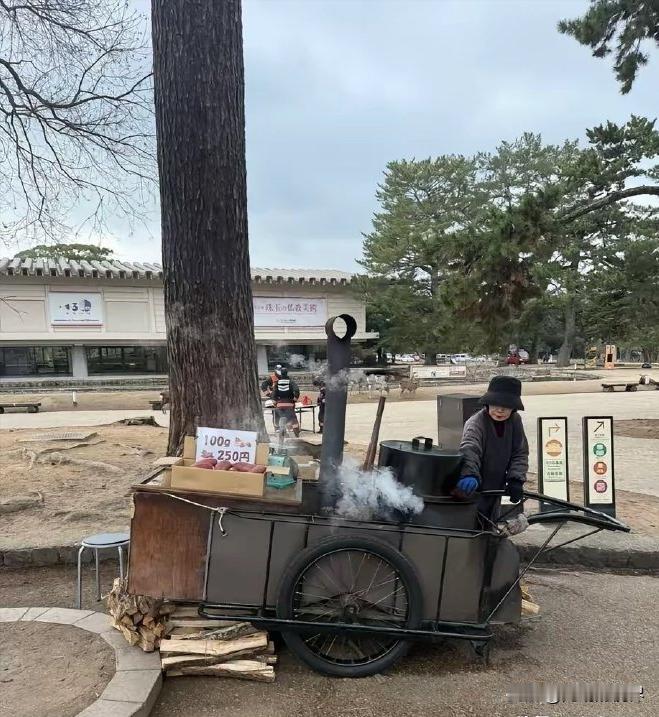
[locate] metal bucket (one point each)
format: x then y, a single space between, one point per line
429 471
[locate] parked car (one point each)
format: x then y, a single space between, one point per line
513 360
443 358
460 358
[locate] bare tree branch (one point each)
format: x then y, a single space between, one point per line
76 116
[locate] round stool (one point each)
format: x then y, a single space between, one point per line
101 541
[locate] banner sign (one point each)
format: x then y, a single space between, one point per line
75 308
226 444
553 470
289 311
449 371
599 470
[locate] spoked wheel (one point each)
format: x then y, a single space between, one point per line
358 581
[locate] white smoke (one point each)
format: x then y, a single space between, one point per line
297 361
373 495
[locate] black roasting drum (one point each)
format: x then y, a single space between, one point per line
428 470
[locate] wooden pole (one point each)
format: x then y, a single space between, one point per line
373 445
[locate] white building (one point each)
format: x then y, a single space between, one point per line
83 318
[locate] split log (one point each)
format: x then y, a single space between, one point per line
239 629
217 648
199 623
131 637
529 608
177 661
241 669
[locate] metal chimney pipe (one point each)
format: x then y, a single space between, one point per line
331 456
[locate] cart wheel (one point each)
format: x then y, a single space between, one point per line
349 580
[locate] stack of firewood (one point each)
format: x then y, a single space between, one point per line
190 644
197 646
140 619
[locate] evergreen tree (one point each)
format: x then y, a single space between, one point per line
623 24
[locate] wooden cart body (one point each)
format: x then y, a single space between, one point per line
181 551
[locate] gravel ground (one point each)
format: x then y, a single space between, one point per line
593 628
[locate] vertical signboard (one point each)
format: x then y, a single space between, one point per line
553 470
599 469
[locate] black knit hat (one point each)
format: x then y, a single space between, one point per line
504 391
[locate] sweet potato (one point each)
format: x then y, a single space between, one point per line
208 463
243 467
223 466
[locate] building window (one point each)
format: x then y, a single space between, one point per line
35 361
126 359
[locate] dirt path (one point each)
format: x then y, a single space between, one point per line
51 670
61 502
638 428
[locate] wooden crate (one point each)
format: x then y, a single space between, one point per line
185 477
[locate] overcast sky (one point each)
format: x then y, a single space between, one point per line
337 88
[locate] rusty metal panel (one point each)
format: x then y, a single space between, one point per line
319 531
238 564
463 578
504 574
426 552
169 542
288 539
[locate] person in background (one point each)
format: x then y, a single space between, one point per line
285 393
495 448
271 381
322 397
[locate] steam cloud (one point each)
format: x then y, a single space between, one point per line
374 495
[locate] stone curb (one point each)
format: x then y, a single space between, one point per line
595 558
51 555
604 551
137 681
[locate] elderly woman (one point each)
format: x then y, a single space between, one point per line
494 447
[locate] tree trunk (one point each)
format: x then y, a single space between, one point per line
565 351
200 123
431 355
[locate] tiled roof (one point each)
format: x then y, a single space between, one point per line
143 270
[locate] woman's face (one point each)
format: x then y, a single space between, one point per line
499 413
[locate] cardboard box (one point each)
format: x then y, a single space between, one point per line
185 477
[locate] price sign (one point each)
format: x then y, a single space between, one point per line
599 472
553 471
226 444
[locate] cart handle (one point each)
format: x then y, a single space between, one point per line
590 516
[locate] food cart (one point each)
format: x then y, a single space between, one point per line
347 595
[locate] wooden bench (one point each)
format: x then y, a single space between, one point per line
31 407
626 386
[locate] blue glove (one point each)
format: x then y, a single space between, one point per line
467 485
